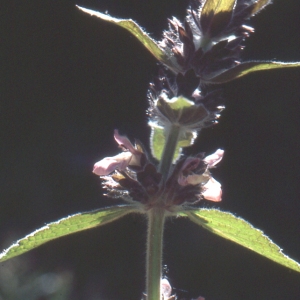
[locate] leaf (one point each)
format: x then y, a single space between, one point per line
173 111
65 226
259 5
150 44
158 141
179 104
247 68
241 232
216 16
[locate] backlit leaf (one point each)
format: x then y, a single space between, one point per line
241 232
260 4
216 15
65 226
158 142
150 44
247 68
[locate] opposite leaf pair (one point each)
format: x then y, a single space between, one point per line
207 46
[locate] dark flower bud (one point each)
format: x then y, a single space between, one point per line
209 41
181 102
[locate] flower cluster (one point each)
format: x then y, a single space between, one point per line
204 49
135 178
210 39
203 111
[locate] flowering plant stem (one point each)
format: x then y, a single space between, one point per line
169 150
156 219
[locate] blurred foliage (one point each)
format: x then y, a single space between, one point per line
18 281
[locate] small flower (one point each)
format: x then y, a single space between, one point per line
190 175
214 158
130 157
110 164
166 288
212 190
136 179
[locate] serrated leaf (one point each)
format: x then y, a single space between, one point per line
216 15
65 226
241 232
247 68
150 44
158 141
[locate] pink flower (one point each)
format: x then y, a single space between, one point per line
166 288
214 158
211 188
130 157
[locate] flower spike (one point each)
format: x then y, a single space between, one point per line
209 41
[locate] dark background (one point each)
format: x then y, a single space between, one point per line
68 80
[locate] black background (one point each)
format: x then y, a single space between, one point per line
68 80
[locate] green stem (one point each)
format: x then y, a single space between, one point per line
156 219
169 151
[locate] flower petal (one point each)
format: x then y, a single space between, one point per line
193 179
212 190
214 158
125 142
109 164
166 288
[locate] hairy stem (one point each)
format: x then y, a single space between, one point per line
169 151
156 219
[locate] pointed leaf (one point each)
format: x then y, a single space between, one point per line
247 68
150 44
65 226
241 232
216 15
259 5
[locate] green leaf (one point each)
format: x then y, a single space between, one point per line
180 103
150 44
212 8
247 68
158 141
173 110
241 232
65 226
216 15
259 5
